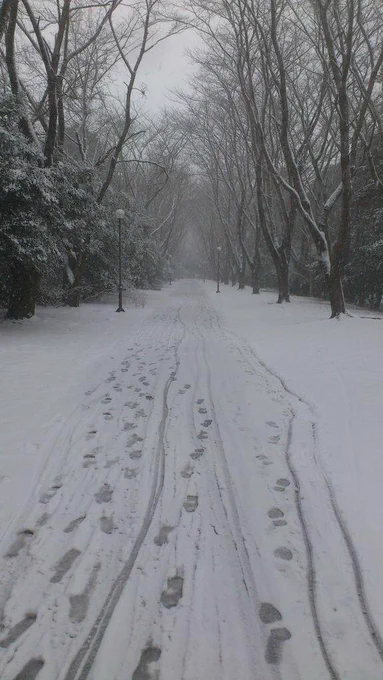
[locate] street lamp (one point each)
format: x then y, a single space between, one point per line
120 214
218 268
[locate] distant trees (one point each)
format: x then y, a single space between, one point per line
303 85
70 148
274 154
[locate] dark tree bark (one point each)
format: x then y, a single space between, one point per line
283 282
4 15
255 279
242 275
73 297
25 286
335 287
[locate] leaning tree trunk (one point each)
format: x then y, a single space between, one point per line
24 288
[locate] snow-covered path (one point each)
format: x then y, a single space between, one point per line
183 528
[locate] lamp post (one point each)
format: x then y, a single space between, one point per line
218 267
120 214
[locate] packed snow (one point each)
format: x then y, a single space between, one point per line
191 490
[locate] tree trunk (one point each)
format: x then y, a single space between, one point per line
73 296
25 286
283 282
255 280
335 287
256 271
241 278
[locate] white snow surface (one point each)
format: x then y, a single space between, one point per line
191 491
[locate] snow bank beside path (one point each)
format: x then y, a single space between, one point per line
46 364
337 366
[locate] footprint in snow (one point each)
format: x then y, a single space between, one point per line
23 538
206 423
18 630
144 670
187 386
274 439
191 503
106 400
74 524
49 494
64 565
187 471
202 435
275 643
275 513
133 440
283 554
181 391
91 434
163 535
202 411
107 525
200 401
283 482
261 457
79 604
107 415
89 461
271 423
104 494
129 426
197 453
171 596
130 473
43 519
268 613
135 454
30 670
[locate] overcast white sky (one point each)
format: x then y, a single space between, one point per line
165 68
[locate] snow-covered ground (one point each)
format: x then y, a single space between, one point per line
191 491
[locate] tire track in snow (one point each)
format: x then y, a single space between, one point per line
82 663
311 573
353 555
358 574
